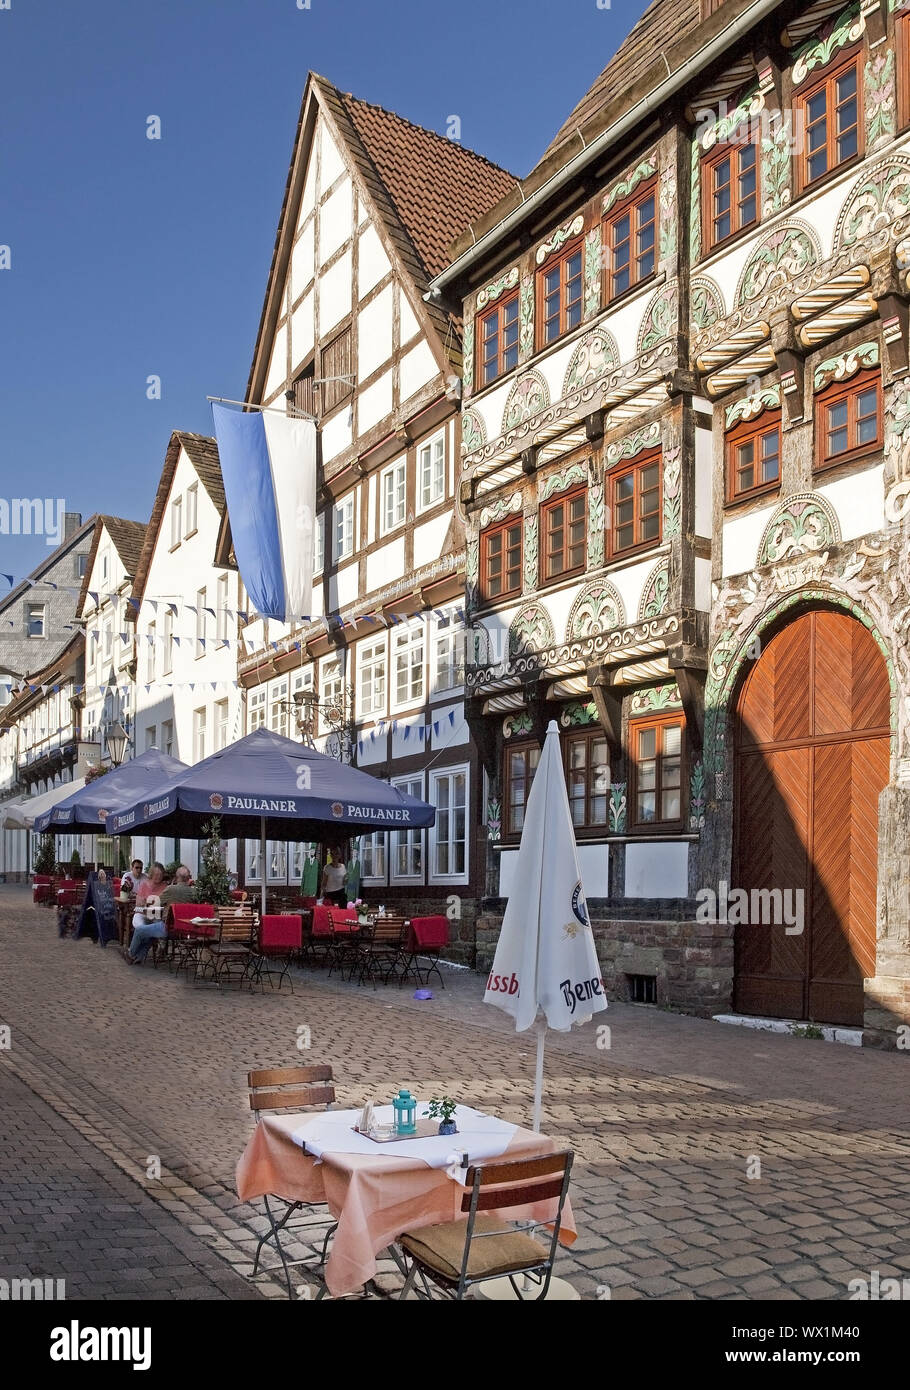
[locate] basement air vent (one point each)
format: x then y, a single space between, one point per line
642 989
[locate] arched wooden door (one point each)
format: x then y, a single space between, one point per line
812 751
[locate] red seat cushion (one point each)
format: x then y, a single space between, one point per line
282 932
322 922
43 878
431 932
182 915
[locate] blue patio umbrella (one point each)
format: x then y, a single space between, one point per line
89 807
266 786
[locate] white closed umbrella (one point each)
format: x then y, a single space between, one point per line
21 814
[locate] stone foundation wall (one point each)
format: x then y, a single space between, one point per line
691 962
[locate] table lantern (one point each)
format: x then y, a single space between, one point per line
405 1107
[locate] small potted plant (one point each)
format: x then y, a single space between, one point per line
442 1108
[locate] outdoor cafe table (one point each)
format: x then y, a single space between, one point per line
376 1191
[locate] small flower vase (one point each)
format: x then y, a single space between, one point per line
447 1127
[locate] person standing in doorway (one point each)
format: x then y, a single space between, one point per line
333 877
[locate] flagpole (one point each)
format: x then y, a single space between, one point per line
274 409
262 849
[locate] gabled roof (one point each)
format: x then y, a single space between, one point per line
202 453
50 674
47 564
425 190
128 538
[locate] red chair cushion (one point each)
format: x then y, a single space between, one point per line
182 915
43 878
280 932
322 922
431 931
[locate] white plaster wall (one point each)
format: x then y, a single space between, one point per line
278 364
302 329
374 403
657 870
429 539
308 198
348 587
335 293
332 163
385 564
740 540
335 221
630 582
372 261
450 735
703 461
408 324
858 501
624 322
303 266
371 508
594 866
373 751
417 368
336 434
703 585
374 333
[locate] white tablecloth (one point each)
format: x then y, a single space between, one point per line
479 1136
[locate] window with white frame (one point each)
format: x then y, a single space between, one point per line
35 620
278 861
151 657
393 492
343 513
192 508
319 544
278 709
371 666
448 653
150 734
167 737
105 567
448 837
221 622
201 626
431 472
406 846
372 857
176 521
252 862
108 641
167 665
408 650
331 690
300 852
199 722
221 724
256 710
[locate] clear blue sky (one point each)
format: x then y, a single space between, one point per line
132 257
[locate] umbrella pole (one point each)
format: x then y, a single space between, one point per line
538 1074
262 858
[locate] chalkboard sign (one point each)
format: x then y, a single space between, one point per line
99 902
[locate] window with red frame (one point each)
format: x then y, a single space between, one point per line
559 294
657 770
635 497
729 191
629 242
564 526
828 117
753 456
500 560
521 761
848 419
497 339
587 764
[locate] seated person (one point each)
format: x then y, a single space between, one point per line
181 890
131 880
147 923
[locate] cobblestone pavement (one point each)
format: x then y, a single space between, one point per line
712 1162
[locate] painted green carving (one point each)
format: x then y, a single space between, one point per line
558 238
500 509
558 482
879 99
530 554
766 398
648 437
618 808
492 292
802 525
879 197
494 818
731 122
595 523
595 354
668 207
531 630
846 364
578 715
776 148
661 318
515 724
467 369
655 698
592 273
629 182
473 434
705 304
656 592
472 559
697 796
597 608
526 319
672 496
695 204
897 414
845 28
527 397
778 259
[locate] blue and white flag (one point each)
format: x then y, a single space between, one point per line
268 462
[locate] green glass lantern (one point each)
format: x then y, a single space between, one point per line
405 1108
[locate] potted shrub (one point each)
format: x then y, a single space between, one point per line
442 1108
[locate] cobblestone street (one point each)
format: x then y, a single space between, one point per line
111 1067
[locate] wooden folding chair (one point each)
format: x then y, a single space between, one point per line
456 1254
382 950
290 1088
231 956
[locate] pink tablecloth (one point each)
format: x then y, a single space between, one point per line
372 1199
